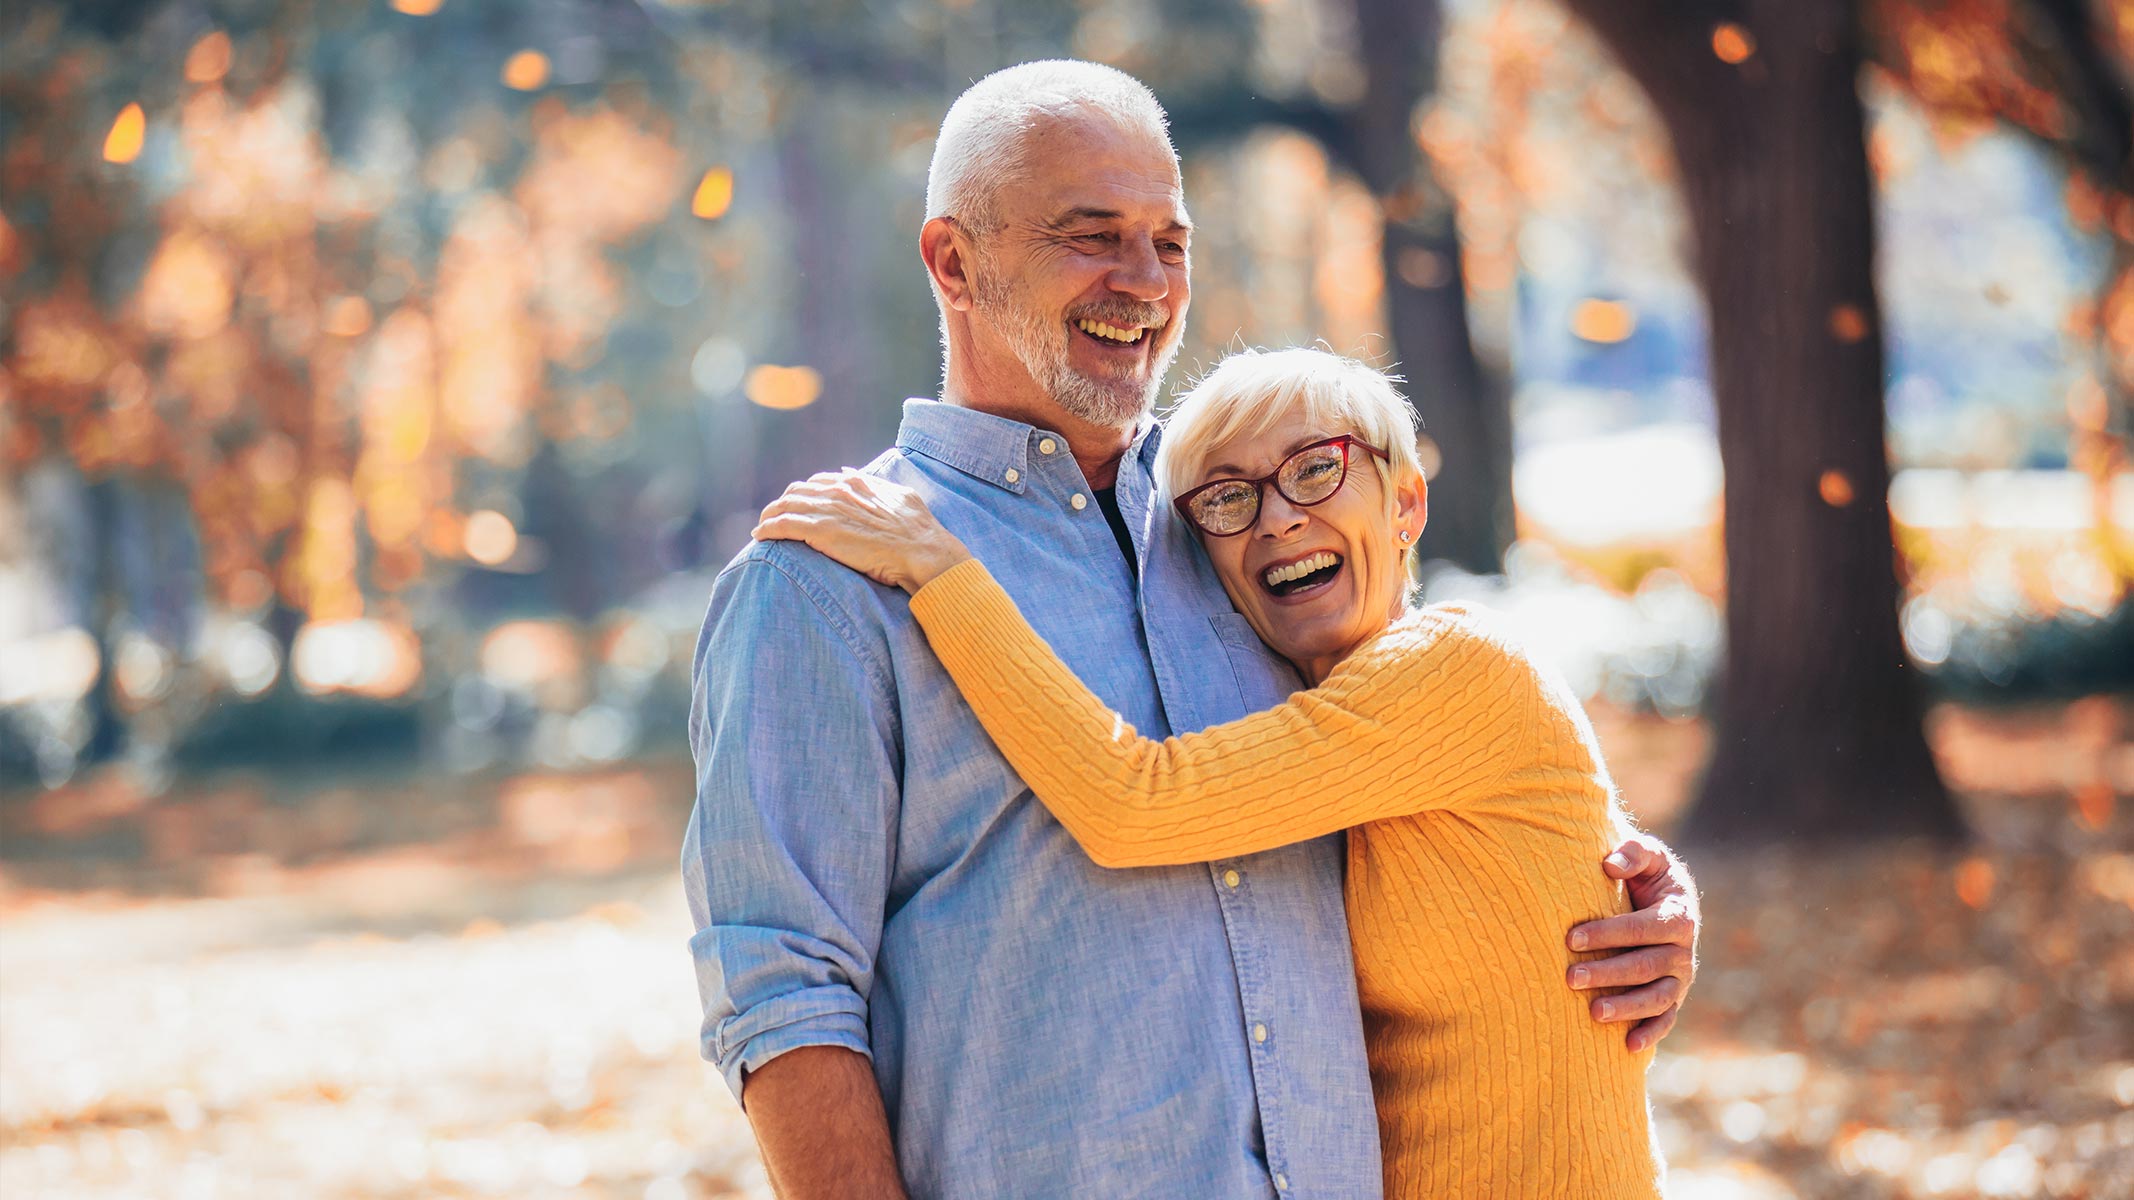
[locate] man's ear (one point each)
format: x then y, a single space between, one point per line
948 259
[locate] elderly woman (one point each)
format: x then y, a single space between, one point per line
1465 772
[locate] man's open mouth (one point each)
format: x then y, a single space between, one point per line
1105 334
1303 575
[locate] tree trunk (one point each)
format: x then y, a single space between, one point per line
1818 719
1463 411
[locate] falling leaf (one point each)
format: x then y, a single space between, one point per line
1604 321
526 70
783 387
123 143
1732 43
1974 882
1848 323
714 194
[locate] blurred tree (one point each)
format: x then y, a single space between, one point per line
1363 113
1464 412
1819 732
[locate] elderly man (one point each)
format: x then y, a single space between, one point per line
912 976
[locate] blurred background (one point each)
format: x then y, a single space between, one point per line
382 384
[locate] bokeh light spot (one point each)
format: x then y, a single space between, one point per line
1732 43
783 387
490 537
209 59
1604 321
1848 323
526 70
348 316
1974 882
1835 488
714 195
418 8
123 143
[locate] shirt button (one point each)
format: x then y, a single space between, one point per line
1079 501
1012 475
1259 1032
1231 878
1047 446
1281 1182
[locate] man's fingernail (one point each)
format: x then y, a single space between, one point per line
1578 976
1607 1010
1578 939
1619 861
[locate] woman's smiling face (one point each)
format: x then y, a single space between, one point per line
1316 582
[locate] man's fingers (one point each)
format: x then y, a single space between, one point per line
1636 856
1648 1032
1632 968
1638 1003
1646 927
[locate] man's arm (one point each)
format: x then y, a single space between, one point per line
819 1121
1657 942
786 867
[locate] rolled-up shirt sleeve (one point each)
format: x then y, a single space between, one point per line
788 853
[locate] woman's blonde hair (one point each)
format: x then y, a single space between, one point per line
1251 391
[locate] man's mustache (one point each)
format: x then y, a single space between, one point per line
1132 316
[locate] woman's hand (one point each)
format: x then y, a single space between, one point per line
878 528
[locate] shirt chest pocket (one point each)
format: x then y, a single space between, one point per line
1264 678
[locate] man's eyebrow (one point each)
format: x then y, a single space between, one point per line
1082 213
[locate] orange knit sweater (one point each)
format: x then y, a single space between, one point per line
1478 812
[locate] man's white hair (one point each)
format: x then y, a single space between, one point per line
980 147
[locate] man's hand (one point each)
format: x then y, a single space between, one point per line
1657 943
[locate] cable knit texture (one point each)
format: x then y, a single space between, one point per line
1478 811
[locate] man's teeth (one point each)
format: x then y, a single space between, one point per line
1109 332
1299 569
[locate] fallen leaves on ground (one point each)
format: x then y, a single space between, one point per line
489 994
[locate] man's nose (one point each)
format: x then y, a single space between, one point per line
1140 272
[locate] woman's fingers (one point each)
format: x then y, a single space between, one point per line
1638 1003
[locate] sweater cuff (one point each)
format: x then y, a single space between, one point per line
965 612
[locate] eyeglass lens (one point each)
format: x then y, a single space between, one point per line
1306 477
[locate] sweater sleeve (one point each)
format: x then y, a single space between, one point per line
1428 716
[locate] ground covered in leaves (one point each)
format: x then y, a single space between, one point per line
437 988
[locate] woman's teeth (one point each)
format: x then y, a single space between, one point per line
1110 333
1277 576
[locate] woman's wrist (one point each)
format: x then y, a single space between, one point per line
933 561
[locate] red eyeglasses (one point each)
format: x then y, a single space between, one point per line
1311 475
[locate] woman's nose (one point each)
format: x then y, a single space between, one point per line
1278 517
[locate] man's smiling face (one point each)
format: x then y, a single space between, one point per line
1083 281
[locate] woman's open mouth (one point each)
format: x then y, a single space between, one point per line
1301 577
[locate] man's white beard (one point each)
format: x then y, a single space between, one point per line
1041 346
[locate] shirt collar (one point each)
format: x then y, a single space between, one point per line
987 447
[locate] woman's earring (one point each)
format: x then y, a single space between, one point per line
1405 537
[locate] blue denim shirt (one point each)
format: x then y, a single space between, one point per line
866 871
